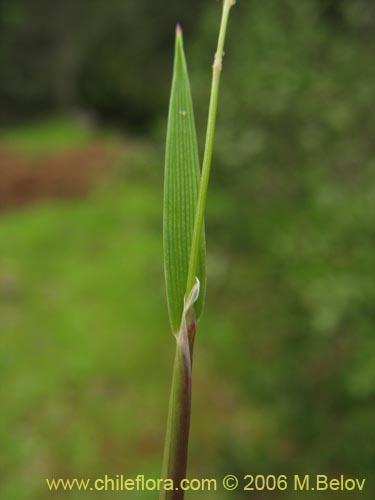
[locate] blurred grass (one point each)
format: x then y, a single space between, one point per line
86 351
46 135
75 282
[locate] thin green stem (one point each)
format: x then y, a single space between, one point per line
178 426
207 157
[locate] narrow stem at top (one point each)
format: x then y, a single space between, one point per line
207 157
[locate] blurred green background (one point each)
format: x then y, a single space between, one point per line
285 352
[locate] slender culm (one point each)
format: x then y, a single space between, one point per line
185 193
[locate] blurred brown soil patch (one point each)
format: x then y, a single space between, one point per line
67 174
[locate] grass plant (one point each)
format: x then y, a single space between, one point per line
185 193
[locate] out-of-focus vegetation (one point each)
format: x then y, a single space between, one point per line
284 357
44 136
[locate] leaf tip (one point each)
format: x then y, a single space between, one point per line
178 30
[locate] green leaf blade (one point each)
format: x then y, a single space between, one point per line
181 186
